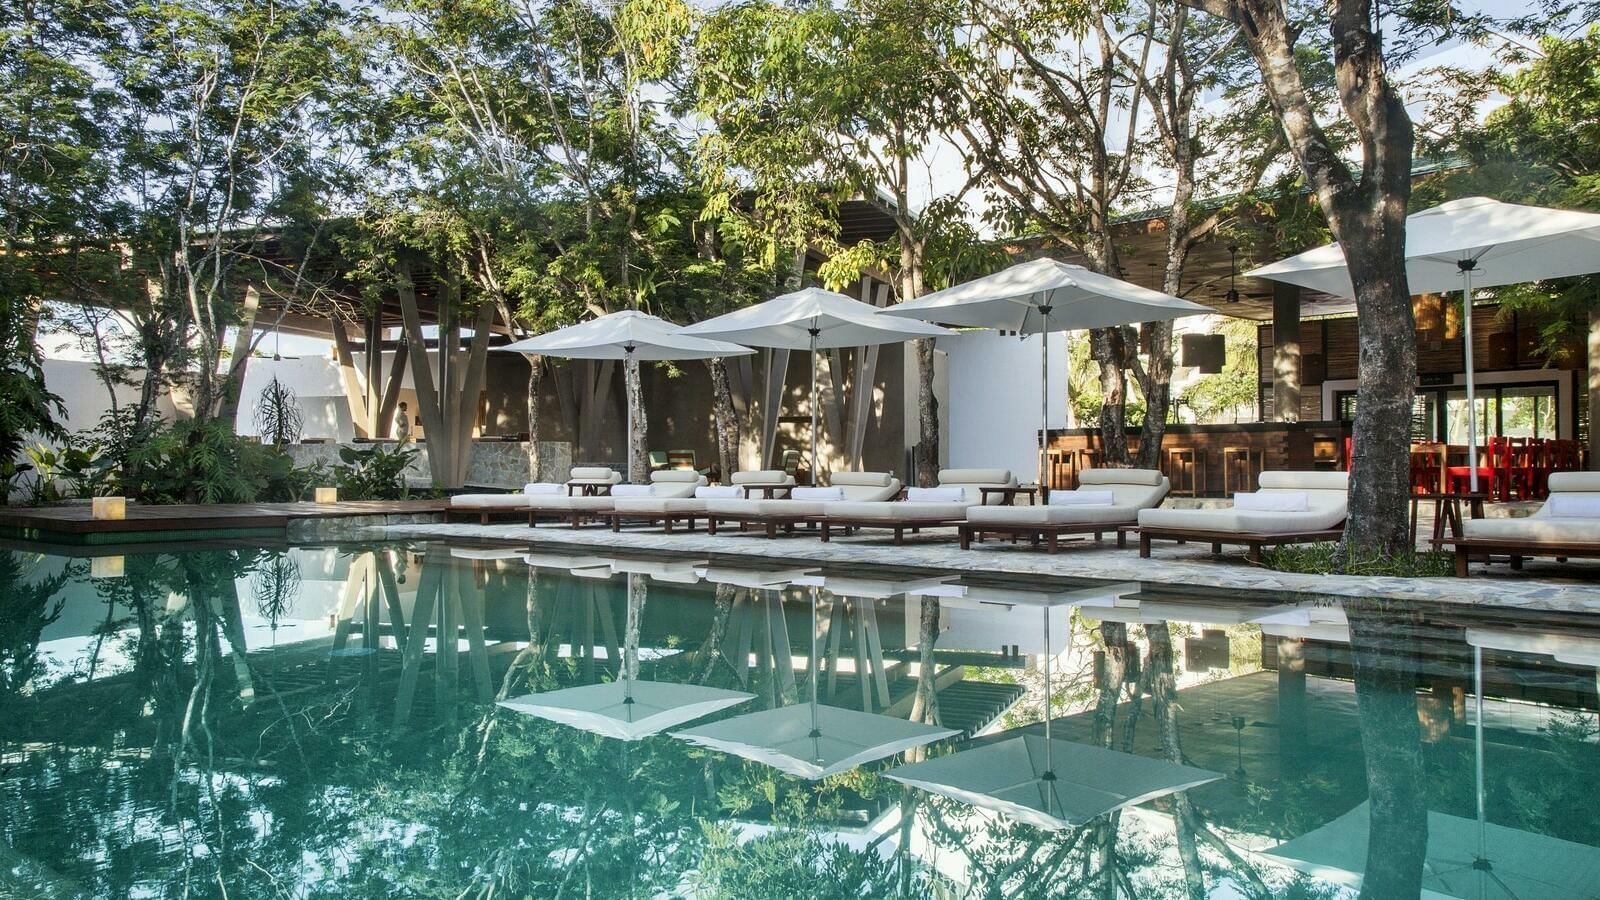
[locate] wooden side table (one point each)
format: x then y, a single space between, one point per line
1009 494
1446 512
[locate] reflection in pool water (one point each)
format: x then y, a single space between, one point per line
323 722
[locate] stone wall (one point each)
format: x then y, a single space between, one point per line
494 464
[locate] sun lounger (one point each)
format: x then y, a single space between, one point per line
1320 517
588 496
671 499
1107 500
1566 525
919 511
801 504
515 503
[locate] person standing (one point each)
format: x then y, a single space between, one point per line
402 424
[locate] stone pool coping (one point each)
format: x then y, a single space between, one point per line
1541 585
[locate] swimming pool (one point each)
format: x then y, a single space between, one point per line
431 720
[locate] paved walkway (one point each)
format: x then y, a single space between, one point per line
1542 585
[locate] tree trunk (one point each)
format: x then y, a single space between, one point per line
1157 386
1391 742
925 706
535 373
726 420
1164 696
1380 474
638 456
927 457
1105 345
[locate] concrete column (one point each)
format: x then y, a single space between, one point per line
1287 370
1594 386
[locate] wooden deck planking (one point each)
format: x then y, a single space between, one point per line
76 519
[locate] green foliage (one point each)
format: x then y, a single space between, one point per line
1236 387
374 473
74 469
205 462
1332 559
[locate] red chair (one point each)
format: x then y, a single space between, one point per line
1490 477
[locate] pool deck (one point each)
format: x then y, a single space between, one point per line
73 524
1541 584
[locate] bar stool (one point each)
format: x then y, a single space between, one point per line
1186 468
1252 459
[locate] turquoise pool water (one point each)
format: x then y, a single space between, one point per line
328 722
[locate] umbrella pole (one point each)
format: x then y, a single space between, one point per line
1482 862
815 468
1049 745
1466 266
627 404
1044 401
811 665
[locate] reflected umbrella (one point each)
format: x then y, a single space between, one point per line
1050 784
629 708
813 741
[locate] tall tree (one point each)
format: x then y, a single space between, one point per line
1366 210
797 125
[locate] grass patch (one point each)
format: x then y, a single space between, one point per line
1326 559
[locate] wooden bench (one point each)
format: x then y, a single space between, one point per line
1466 548
1252 541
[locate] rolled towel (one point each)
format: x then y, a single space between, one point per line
815 494
718 492
633 490
1562 507
936 495
542 488
1273 501
1083 498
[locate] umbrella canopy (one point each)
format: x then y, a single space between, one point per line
812 319
627 709
1050 784
625 335
786 322
1509 244
1045 295
1522 865
784 738
1455 245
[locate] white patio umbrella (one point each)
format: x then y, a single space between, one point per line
811 740
812 319
1459 244
629 708
625 335
1041 296
1044 782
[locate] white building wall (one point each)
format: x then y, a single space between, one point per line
993 399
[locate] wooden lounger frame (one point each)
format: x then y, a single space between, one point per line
1050 534
899 528
1466 548
666 519
482 513
1253 541
769 524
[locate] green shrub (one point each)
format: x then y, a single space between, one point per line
76 469
375 473
1328 559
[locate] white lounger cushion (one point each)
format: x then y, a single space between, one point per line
762 477
1273 501
489 501
1573 506
1081 497
936 495
891 511
866 485
1326 499
594 475
633 490
817 494
533 488
1567 489
656 506
717 491
670 483
973 479
758 507
571 504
